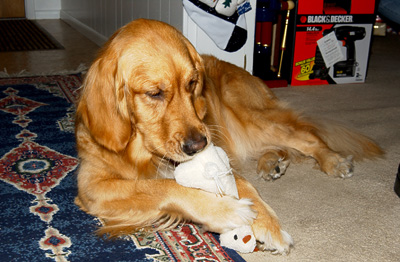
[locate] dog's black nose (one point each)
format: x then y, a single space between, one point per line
194 145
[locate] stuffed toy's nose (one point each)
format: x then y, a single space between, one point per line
246 239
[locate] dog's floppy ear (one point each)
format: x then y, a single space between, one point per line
102 106
200 101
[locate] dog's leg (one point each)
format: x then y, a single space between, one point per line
128 205
266 227
300 137
306 141
273 163
284 129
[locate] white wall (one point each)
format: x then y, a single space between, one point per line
42 9
99 19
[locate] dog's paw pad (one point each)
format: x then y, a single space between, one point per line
273 170
345 167
339 166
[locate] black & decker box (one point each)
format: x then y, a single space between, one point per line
332 41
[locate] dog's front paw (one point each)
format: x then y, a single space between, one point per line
277 242
266 226
270 236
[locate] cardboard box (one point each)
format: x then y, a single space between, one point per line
332 41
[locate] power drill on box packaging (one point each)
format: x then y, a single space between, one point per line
346 68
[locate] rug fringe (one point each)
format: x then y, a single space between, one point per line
82 68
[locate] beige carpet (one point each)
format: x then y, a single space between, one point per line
356 219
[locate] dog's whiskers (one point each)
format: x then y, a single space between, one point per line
163 161
159 161
218 133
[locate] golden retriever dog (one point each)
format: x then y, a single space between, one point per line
150 102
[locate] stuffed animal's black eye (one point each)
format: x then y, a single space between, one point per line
235 237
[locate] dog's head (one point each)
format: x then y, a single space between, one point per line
146 87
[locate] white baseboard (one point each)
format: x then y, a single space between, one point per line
47 14
87 31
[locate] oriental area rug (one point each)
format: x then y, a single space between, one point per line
38 163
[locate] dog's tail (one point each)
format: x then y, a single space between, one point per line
346 141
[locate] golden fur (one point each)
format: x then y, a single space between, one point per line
150 101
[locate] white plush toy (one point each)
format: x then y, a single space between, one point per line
209 170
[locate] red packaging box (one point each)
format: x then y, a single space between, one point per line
343 30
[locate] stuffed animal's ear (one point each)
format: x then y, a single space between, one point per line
102 106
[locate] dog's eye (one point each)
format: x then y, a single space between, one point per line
159 94
192 85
